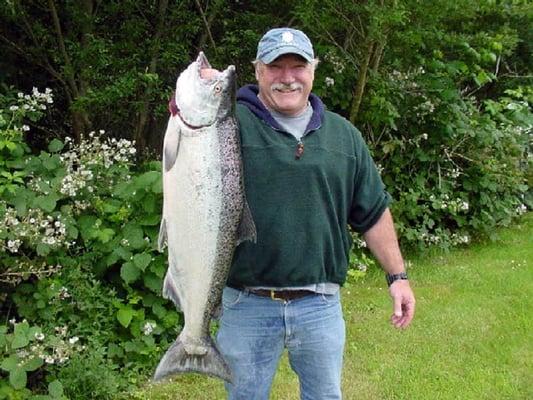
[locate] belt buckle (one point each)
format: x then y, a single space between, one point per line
273 296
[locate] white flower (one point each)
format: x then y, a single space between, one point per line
25 128
73 340
13 108
521 209
425 136
39 336
149 328
329 81
63 292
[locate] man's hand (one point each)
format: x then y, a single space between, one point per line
403 301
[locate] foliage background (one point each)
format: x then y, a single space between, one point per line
442 92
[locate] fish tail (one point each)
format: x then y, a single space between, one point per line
177 360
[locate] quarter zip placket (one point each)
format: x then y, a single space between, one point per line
299 149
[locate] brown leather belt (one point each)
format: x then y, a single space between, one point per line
283 295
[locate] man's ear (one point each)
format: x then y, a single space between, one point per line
257 68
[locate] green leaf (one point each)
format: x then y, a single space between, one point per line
159 310
157 187
33 364
153 282
20 203
129 272
43 249
134 235
55 388
105 235
46 203
125 190
147 179
86 224
125 315
50 162
150 219
149 204
10 363
55 146
142 260
18 378
19 340
122 253
159 267
114 350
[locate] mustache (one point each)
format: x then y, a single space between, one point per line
283 86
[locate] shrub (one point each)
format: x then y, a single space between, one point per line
78 231
456 168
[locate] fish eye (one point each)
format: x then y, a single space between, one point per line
218 88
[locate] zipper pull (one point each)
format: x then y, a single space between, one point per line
299 150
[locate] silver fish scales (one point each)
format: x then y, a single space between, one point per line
205 214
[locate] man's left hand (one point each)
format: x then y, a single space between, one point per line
403 302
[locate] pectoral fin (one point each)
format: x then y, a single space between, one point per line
172 144
162 239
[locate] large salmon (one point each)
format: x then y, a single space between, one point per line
205 214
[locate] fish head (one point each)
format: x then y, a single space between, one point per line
201 99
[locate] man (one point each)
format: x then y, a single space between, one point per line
307 175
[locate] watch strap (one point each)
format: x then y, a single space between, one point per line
395 277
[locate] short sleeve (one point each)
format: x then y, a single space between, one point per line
370 198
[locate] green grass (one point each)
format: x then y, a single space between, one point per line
472 337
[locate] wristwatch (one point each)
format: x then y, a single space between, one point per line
394 277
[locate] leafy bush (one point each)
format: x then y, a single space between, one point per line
456 168
78 250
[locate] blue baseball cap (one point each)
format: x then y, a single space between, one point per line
279 41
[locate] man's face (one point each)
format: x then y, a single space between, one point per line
285 83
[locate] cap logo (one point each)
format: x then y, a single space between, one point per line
287 37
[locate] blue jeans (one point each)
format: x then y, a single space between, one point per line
255 330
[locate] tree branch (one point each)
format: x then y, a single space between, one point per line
61 42
206 23
361 82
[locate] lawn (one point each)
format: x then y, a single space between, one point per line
472 337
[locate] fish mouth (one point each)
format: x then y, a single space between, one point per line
202 64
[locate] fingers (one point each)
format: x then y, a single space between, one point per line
403 304
403 320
